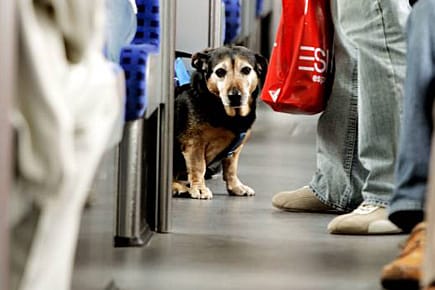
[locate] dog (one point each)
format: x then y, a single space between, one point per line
213 118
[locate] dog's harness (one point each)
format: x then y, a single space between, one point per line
229 151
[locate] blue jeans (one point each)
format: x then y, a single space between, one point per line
406 207
121 27
358 132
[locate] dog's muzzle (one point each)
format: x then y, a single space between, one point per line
235 98
235 104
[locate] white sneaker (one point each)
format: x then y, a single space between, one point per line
367 219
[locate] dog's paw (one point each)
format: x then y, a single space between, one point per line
179 189
202 192
241 190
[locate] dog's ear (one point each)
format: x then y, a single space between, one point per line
200 59
261 66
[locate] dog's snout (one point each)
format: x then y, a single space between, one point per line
234 92
235 97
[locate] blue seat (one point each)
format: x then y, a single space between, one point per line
233 20
134 57
134 61
148 23
259 8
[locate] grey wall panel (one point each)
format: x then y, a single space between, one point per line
248 18
192 25
199 24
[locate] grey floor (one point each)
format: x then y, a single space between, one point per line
233 242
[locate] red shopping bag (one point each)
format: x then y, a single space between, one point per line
299 76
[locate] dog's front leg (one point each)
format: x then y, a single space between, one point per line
234 185
196 165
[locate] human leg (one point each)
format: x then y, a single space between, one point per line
413 158
381 74
428 260
406 206
428 273
339 175
353 162
373 44
378 41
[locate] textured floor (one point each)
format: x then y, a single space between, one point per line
233 242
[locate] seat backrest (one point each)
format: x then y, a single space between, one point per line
134 61
148 23
259 8
233 20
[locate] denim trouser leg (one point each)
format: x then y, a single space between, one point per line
358 131
424 13
414 147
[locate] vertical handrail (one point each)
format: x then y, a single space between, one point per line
168 9
215 24
128 227
7 69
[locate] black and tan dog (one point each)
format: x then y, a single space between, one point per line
213 118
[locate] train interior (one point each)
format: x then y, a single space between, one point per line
134 235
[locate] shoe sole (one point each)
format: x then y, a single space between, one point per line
349 233
329 211
401 284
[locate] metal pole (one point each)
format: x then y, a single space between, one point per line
215 24
168 8
7 68
128 228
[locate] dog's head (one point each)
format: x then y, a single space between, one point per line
232 74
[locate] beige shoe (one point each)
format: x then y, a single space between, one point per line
367 219
300 200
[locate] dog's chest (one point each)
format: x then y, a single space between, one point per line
210 140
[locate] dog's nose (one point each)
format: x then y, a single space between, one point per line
235 97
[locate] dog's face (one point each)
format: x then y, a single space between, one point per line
232 74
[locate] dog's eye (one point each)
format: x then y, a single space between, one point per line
220 72
246 70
